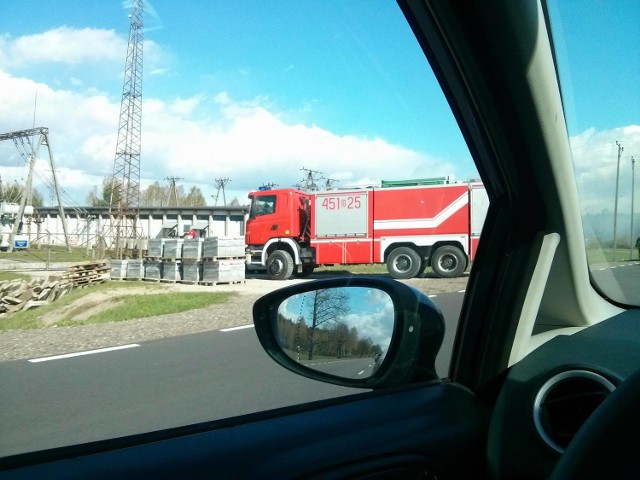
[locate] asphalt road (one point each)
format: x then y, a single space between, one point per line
618 281
52 402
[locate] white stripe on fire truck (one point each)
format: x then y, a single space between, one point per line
434 222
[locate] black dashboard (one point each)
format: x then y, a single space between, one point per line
548 395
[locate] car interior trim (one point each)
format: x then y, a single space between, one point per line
548 386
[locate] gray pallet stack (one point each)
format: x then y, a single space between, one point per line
155 247
152 269
223 271
172 249
192 260
171 260
172 271
223 247
191 271
135 269
192 249
223 260
119 269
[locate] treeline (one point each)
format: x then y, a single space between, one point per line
13 193
335 339
155 195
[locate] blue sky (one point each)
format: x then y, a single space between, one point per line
598 48
371 312
255 90
603 60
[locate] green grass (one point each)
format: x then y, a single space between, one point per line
362 269
134 306
8 275
48 254
142 306
605 255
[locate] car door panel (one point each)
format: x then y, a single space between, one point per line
399 432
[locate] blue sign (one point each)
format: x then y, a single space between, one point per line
21 244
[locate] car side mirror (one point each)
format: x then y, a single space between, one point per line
367 332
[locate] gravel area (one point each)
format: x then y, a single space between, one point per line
23 344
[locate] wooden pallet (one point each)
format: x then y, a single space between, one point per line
213 284
215 259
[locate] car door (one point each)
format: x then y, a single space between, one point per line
489 58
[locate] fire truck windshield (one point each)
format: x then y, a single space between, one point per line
263 205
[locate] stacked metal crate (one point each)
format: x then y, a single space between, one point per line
153 260
192 260
223 260
172 260
119 269
135 269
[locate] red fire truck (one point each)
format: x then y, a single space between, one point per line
408 228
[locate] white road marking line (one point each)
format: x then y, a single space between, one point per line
432 296
233 329
361 372
461 291
79 354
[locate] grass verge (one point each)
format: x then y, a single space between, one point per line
127 308
53 253
13 276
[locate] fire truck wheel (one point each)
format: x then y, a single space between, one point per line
279 265
448 262
403 262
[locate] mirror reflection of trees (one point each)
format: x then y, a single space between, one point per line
320 324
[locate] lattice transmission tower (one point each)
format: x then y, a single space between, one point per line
124 206
220 184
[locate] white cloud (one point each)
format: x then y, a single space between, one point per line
64 45
89 48
595 157
199 137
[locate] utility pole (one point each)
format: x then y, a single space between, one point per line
615 204
220 184
173 191
633 181
30 156
328 183
310 179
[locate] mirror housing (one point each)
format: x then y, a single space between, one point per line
418 331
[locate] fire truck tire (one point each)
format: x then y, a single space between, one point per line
403 262
448 262
279 265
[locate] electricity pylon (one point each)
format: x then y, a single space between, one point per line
124 206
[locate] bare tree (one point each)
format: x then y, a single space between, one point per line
329 306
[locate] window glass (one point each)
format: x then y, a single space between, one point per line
263 205
236 96
597 45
